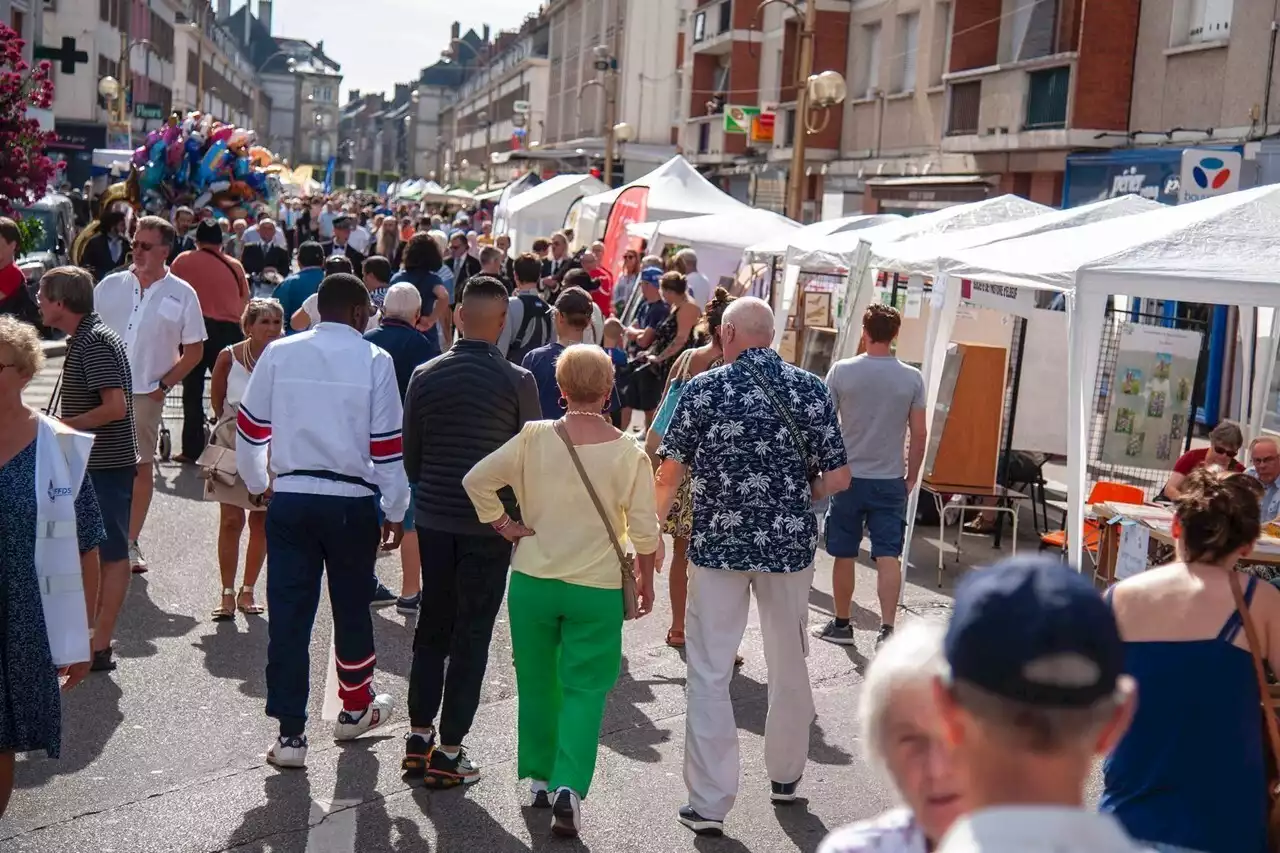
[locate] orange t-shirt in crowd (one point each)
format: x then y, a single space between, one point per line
219 282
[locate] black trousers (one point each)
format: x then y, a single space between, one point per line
220 335
463 580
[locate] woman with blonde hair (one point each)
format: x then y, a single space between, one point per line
262 323
585 491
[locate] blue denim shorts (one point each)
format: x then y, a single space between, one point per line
114 487
877 506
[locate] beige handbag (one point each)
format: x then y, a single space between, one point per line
222 483
626 562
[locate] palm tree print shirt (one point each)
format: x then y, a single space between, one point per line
751 499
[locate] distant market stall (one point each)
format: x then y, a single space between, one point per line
718 238
543 209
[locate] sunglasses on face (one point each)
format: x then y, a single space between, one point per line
145 246
1230 453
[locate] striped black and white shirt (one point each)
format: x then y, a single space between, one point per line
96 361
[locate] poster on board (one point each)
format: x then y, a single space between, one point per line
1151 396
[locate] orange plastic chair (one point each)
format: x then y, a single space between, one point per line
1102 492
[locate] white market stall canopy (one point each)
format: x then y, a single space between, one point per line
1223 248
719 238
779 245
676 191
541 209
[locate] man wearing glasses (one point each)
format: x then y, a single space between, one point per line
158 316
1225 441
1264 456
461 262
555 266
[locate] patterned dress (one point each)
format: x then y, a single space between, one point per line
679 521
30 705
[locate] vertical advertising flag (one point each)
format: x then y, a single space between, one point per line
328 174
632 206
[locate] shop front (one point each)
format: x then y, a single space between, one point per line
74 146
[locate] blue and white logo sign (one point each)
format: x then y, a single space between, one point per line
1208 172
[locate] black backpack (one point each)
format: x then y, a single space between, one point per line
536 329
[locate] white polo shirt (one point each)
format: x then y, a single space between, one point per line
153 322
1038 829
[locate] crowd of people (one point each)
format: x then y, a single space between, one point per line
423 391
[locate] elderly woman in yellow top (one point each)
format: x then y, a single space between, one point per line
565 598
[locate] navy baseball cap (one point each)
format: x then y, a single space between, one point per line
651 275
1034 630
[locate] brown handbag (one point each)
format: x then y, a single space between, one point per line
626 562
1270 728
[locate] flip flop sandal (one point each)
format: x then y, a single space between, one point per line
675 639
254 609
222 613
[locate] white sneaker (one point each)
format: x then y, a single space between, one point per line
566 814
288 752
377 714
137 562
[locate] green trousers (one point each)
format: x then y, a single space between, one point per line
568 649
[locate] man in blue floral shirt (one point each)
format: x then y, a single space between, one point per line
761 441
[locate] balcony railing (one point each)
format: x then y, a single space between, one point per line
962 110
1047 92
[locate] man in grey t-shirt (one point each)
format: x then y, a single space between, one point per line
878 399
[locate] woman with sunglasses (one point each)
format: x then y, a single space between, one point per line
627 281
1225 441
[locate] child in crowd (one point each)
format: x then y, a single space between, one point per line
613 345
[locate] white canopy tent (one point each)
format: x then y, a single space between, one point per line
719 239
849 253
676 191
1224 246
779 244
540 210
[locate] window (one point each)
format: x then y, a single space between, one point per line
699 27
906 53
18 21
940 56
962 109
869 70
726 16
325 151
1198 21
1047 98
1029 29
720 84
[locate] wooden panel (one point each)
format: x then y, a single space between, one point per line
969 444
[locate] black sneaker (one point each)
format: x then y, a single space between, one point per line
409 606
566 814
540 796
699 824
783 792
417 753
382 597
886 631
102 661
446 772
833 633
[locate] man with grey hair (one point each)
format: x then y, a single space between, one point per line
1264 459
761 442
699 285
96 396
1034 692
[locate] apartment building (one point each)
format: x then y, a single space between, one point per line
627 50
500 103
1029 83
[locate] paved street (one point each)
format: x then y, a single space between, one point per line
167 754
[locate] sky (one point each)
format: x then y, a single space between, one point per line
382 42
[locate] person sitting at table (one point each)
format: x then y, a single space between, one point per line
1225 441
1194 779
1264 459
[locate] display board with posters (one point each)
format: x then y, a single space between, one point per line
1148 411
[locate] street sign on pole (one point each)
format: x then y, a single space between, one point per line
520 108
145 110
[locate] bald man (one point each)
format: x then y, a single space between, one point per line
763 540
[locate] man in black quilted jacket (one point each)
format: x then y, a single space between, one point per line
460 407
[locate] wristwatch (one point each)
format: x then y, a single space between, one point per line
164 387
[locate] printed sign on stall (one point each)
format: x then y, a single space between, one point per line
1150 400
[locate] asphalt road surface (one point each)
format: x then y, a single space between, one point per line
168 753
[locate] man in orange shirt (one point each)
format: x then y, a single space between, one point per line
223 289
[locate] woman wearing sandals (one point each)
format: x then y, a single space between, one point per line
263 322
679 523
566 598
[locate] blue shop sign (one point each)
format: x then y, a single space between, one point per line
1152 173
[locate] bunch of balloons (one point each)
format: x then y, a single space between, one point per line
198 161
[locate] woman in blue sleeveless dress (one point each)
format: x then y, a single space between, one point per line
1189 774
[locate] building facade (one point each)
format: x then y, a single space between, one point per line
499 105
636 42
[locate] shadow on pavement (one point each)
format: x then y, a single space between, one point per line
280 824
623 714
142 621
90 716
463 826
726 844
179 481
751 707
230 653
805 829
862 618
